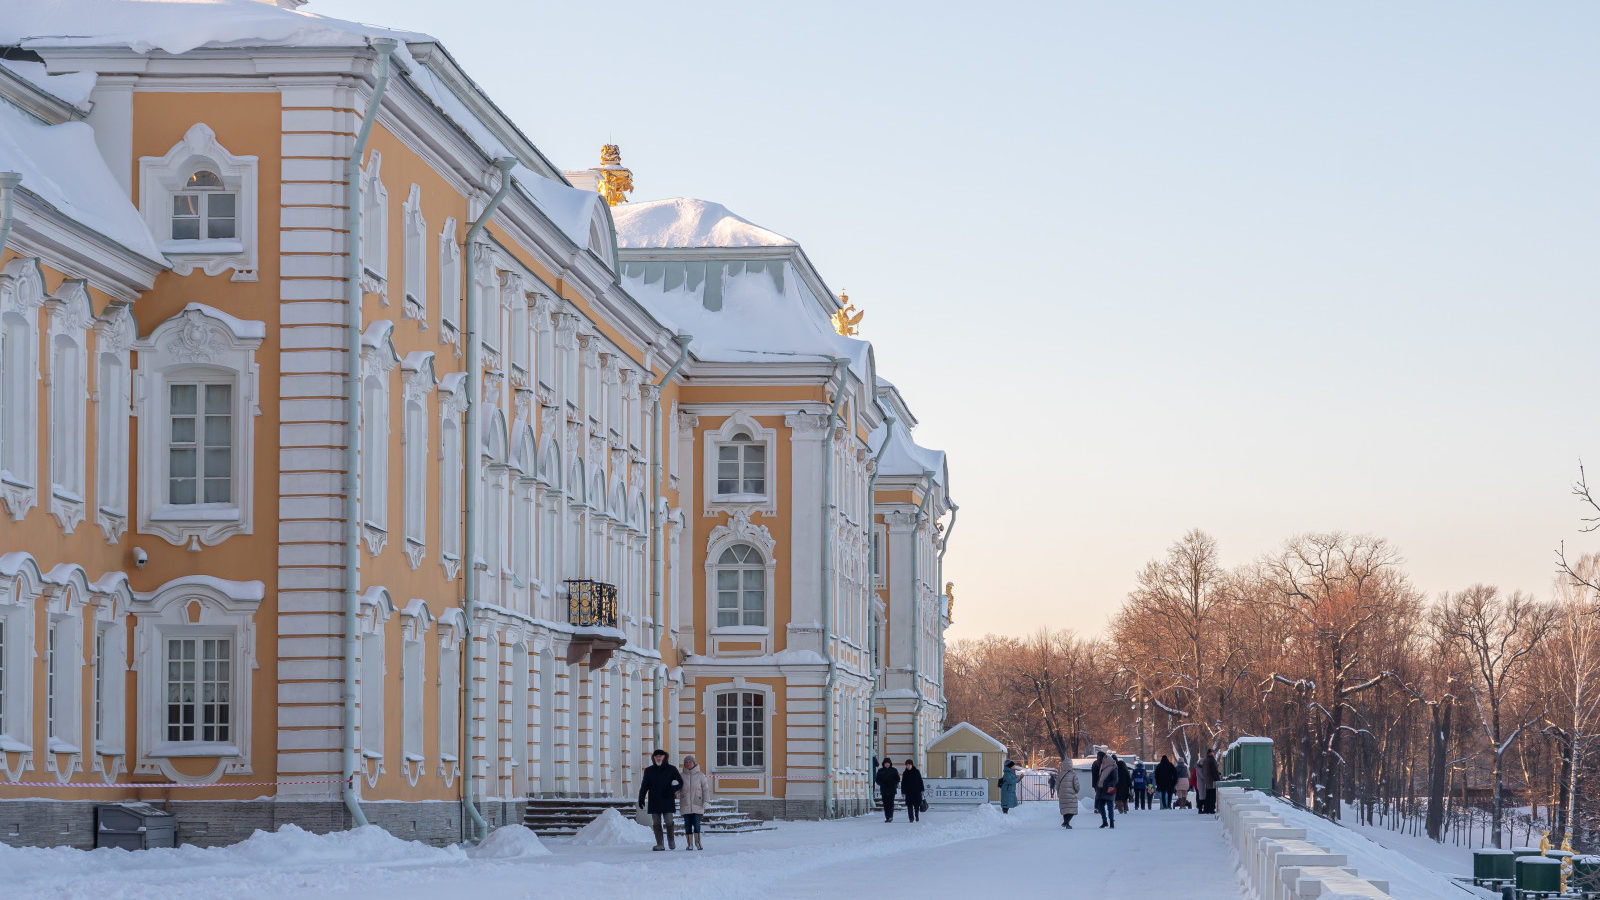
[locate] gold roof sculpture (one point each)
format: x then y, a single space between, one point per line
847 321
615 180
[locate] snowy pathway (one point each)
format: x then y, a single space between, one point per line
1155 854
962 853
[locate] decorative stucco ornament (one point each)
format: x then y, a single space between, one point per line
616 180
847 321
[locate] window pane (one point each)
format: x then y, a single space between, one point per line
219 490
219 431
727 617
219 227
728 454
182 429
755 454
727 486
182 463
204 178
219 398
183 397
727 579
219 206
185 206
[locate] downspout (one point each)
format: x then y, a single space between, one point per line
8 187
352 425
944 546
657 552
827 588
916 618
474 456
872 523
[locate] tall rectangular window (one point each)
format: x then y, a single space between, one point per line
199 443
742 467
199 690
50 681
741 730
2 676
99 687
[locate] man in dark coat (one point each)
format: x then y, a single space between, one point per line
911 789
1124 785
1166 781
888 781
659 789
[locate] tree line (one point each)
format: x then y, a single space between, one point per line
1379 700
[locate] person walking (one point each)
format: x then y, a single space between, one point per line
658 788
1199 780
888 781
1182 770
1124 785
1104 773
911 789
1067 790
1213 775
1008 787
696 794
1141 781
1166 781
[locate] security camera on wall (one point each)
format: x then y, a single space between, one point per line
140 557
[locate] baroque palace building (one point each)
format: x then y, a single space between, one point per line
359 465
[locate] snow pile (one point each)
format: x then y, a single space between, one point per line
510 842
178 26
60 165
1407 877
73 87
686 222
612 829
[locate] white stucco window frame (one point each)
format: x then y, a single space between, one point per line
708 710
740 530
71 317
373 665
200 341
378 360
452 457
20 589
115 334
194 606
414 304
162 177
737 423
450 286
417 384
21 296
451 633
374 238
415 621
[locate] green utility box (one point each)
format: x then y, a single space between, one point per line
1250 759
1538 876
1492 867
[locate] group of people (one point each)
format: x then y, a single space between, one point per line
664 791
1115 784
908 784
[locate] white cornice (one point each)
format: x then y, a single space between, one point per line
41 230
441 63
36 101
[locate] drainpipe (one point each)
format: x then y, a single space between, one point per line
8 187
474 456
352 425
872 523
916 616
954 509
657 563
827 588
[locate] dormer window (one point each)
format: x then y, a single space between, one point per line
205 209
742 467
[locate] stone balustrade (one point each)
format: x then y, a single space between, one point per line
1276 858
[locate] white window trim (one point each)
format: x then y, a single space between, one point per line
376 609
977 764
415 244
194 606
70 320
740 530
708 710
450 286
378 359
21 296
879 553
741 422
205 340
374 246
115 333
20 588
161 177
414 624
452 457
418 381
450 649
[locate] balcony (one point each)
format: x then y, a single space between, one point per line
592 611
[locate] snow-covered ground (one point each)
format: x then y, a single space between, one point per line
1154 854
1416 868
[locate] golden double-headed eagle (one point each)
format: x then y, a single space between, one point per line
847 321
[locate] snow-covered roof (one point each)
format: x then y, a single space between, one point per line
178 26
61 165
72 88
684 222
971 728
905 456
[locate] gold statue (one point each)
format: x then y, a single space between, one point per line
1544 843
950 600
847 321
615 180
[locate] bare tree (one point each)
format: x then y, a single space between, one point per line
1496 634
1567 672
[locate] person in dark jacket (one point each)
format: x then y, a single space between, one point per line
1141 797
1124 785
911 789
1166 781
1213 774
1104 773
658 789
888 781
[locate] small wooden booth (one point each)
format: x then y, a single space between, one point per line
959 761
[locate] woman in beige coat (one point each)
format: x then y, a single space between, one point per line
1067 788
692 800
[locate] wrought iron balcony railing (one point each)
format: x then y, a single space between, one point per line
591 604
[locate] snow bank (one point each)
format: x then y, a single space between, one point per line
611 829
510 842
1407 877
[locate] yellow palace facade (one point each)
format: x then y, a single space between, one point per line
359 465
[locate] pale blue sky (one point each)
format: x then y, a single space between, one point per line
1258 268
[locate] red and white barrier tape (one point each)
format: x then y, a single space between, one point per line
162 784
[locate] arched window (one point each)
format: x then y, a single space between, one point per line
204 209
741 587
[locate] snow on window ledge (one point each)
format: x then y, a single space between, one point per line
188 749
207 246
57 745
739 498
12 745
